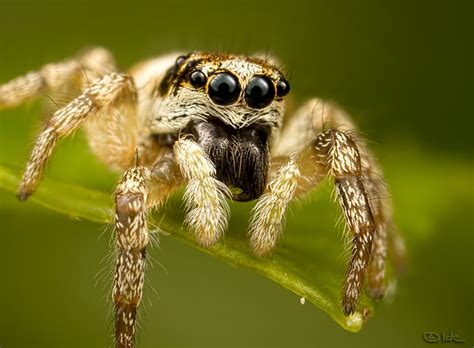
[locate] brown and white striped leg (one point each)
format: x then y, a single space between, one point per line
386 230
381 209
131 237
139 189
102 93
337 152
387 240
205 196
86 67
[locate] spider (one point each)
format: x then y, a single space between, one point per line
215 123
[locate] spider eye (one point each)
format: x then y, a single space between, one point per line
283 87
224 89
260 92
197 79
180 60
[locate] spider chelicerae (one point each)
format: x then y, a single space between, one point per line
215 123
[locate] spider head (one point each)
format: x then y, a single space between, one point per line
238 90
230 104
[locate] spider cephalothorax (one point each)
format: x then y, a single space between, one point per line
230 105
214 123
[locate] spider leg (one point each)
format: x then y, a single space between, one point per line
268 214
132 237
205 196
86 66
382 213
104 92
319 140
140 188
338 153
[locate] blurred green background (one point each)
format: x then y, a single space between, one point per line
402 68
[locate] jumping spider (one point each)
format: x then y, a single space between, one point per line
213 122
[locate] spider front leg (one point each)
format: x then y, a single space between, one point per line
205 196
140 188
104 92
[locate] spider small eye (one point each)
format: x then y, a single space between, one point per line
197 79
283 87
260 92
224 89
180 60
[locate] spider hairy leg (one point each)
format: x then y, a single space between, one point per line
205 196
50 76
267 220
386 237
131 238
381 210
339 154
91 63
63 122
140 189
312 120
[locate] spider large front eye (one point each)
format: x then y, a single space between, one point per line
260 92
224 89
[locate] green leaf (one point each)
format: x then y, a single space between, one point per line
305 262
